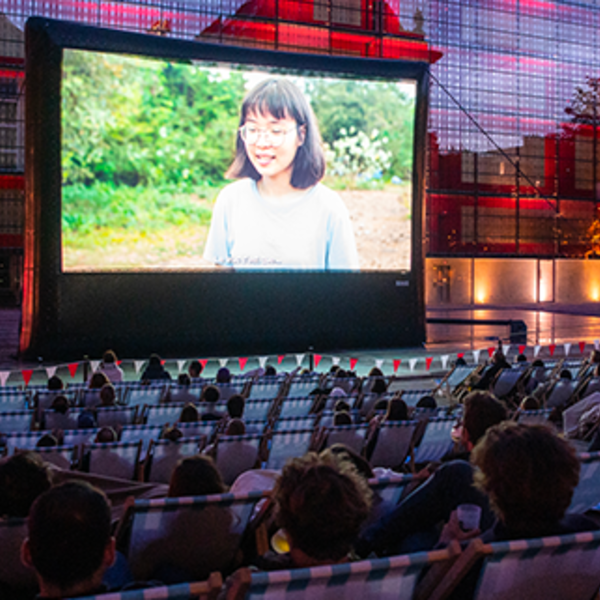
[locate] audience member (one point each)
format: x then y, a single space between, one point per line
60 415
55 383
529 403
181 393
236 456
195 369
155 370
48 440
189 414
106 435
97 380
498 364
109 366
108 395
270 371
235 406
196 476
223 375
426 402
210 397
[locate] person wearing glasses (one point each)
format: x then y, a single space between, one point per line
278 215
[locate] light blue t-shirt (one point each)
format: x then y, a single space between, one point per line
310 230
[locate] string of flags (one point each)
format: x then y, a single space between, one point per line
443 359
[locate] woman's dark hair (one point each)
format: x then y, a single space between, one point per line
195 476
566 374
184 379
283 99
189 414
235 406
109 357
55 383
426 402
223 375
397 410
379 386
270 371
97 380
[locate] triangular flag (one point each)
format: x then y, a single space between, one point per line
299 359
552 348
460 355
27 373
73 368
353 362
280 358
379 362
203 362
567 347
428 361
162 362
536 350
397 362
506 349
50 372
262 361
242 361
412 362
119 362
318 358
476 354
522 348
4 375
597 344
94 364
180 365
445 358
137 365
581 347
491 350
335 360
223 361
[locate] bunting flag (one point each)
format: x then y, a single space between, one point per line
299 359
280 358
552 348
223 362
460 355
138 364
119 363
522 348
536 350
397 362
50 372
72 369
412 363
445 358
94 364
507 349
262 361
491 350
581 347
162 362
567 347
203 362
318 358
242 361
379 362
353 362
4 375
476 354
428 361
335 360
27 374
180 365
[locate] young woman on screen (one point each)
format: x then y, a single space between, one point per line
278 215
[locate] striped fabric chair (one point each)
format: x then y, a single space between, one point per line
302 385
63 457
24 440
265 390
507 381
116 459
393 443
163 456
587 492
136 395
162 414
534 417
352 436
14 399
236 454
16 421
257 409
74 437
287 444
202 590
185 539
145 433
411 397
395 577
296 407
391 489
436 441
113 416
291 423
552 568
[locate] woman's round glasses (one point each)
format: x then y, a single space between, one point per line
272 136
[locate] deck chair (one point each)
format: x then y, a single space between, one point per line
391 489
196 429
395 577
257 409
116 416
63 457
235 454
534 417
183 539
88 398
183 394
296 407
136 395
561 392
291 423
457 377
302 385
287 444
74 437
145 433
436 441
593 385
587 492
163 456
265 390
199 590
12 571
24 440
162 414
393 443
116 459
16 421
226 390
553 568
507 381
51 419
12 400
352 436
43 399
411 397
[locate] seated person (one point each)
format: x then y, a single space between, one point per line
70 544
182 393
109 366
235 406
108 395
155 370
60 416
106 435
195 369
196 476
236 456
498 363
189 414
210 397
529 403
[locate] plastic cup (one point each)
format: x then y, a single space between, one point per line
469 516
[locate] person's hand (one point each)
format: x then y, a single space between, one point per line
453 531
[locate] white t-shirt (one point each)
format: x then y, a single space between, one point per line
310 230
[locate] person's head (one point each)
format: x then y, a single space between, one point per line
195 369
321 505
426 402
69 544
235 406
235 427
184 379
109 357
189 414
460 362
86 420
195 476
23 477
173 434
97 380
108 395
521 358
47 441
155 361
529 474
529 403
337 392
334 369
342 418
106 435
595 357
270 371
223 375
538 362
396 410
498 358
342 453
55 383
278 132
375 372
60 404
379 386
211 394
566 374
481 411
341 406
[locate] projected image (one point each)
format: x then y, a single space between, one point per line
170 166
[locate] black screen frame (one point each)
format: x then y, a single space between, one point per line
199 313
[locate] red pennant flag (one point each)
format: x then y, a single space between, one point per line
581 347
280 358
522 348
428 361
119 363
491 351
353 362
27 374
397 362
318 358
460 355
73 369
552 348
203 362
242 362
